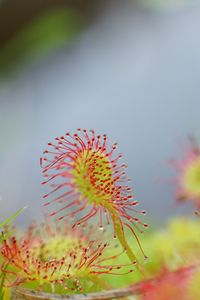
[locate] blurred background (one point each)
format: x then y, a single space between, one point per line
128 68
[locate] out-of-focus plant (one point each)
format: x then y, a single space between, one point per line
188 179
61 260
175 265
40 37
176 246
4 293
172 285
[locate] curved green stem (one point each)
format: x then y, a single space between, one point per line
120 234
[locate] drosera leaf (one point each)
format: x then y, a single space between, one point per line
87 180
61 260
187 180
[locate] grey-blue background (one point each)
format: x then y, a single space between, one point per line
134 74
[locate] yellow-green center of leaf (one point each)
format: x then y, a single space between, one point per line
191 179
92 175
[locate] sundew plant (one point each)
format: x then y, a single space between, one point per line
87 180
60 259
187 180
90 240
